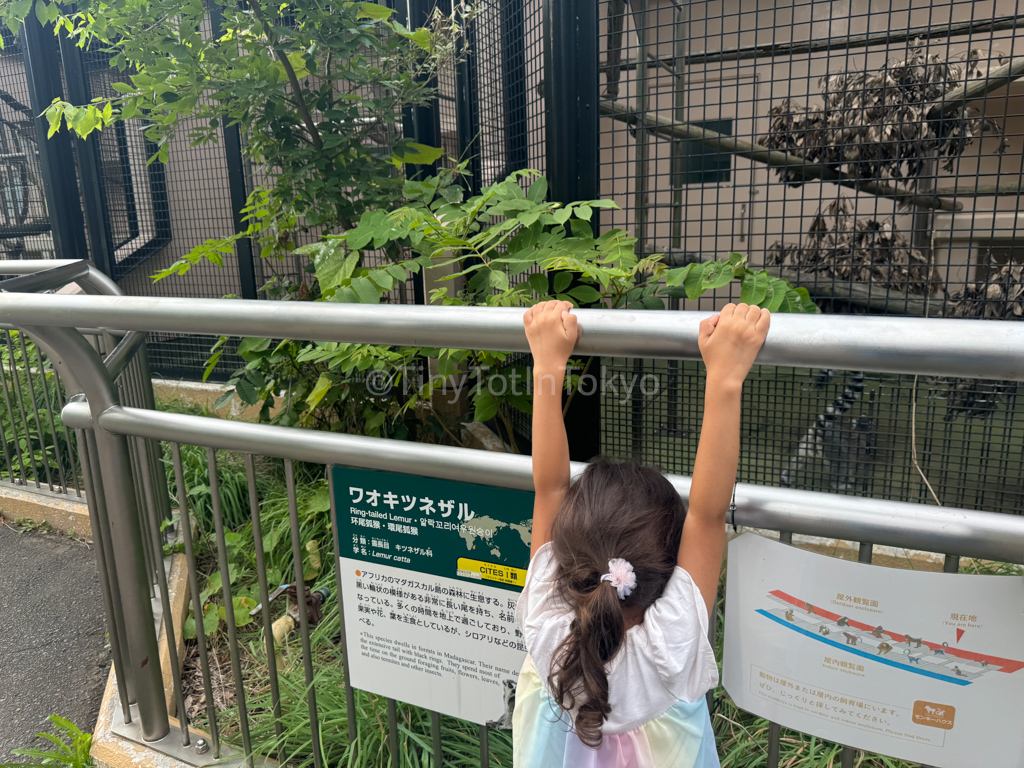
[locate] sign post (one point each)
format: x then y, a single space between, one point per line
431 571
927 667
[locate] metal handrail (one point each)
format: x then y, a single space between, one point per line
925 346
987 535
970 348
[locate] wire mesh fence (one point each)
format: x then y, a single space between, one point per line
870 152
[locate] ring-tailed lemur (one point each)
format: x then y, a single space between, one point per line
822 440
504 722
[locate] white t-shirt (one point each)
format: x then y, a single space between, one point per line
665 659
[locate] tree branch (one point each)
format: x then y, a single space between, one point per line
293 80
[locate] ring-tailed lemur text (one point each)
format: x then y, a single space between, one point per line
844 450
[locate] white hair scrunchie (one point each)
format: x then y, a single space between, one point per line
621 576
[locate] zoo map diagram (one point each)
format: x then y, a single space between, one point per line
910 653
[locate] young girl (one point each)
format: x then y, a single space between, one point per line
622 576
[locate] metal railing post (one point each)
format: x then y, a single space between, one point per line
115 472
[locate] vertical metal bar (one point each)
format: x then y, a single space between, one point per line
467 112
951 564
19 398
300 586
849 754
88 163
350 695
774 729
49 416
572 146
485 747
435 737
393 747
56 158
229 610
261 577
35 408
197 600
169 637
126 538
101 539
513 84
149 401
75 466
8 463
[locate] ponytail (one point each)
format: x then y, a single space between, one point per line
578 677
613 512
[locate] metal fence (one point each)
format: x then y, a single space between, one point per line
131 517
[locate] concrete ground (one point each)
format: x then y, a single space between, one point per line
53 654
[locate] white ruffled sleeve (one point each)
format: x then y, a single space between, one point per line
541 613
677 628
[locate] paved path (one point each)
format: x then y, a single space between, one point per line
53 655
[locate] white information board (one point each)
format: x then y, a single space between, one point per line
922 666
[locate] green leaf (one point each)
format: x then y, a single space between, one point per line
693 284
538 190
585 294
738 262
333 266
584 212
715 274
211 619
562 280
46 12
753 288
421 37
373 11
485 407
366 290
212 363
320 390
241 607
539 283
777 289
418 154
246 392
251 346
674 277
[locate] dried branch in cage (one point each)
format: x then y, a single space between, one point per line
843 248
999 297
883 124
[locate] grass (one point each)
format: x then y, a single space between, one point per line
70 749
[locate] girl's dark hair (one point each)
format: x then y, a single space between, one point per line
613 510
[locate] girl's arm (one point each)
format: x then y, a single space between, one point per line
552 332
728 342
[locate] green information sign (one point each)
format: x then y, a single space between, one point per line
463 531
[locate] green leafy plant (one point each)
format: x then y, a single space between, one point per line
317 90
35 447
508 247
71 747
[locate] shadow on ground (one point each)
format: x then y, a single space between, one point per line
53 645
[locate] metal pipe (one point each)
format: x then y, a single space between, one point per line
929 347
104 561
988 535
261 578
229 610
123 354
350 695
300 592
75 354
47 279
197 600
